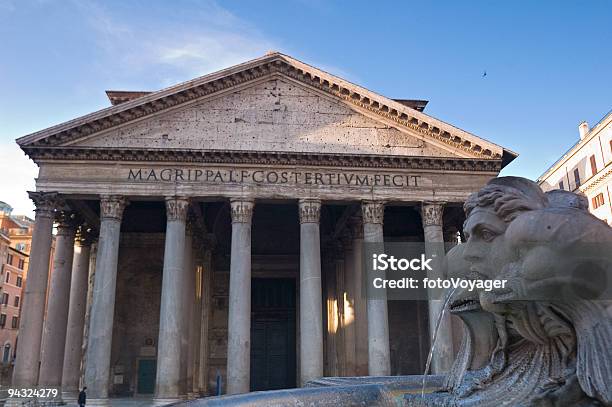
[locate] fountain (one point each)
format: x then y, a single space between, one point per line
543 340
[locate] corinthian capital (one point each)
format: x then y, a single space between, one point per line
46 203
242 210
67 223
431 212
310 210
111 207
373 211
177 208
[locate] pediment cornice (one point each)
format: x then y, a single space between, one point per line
270 65
41 154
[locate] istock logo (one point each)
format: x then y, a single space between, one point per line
383 262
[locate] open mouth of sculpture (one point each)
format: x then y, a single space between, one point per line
465 305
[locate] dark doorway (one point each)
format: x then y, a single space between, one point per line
272 333
146 376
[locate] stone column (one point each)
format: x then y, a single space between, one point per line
311 317
25 373
239 320
206 289
167 386
193 355
348 319
76 317
442 357
93 253
379 362
54 334
188 294
100 334
361 312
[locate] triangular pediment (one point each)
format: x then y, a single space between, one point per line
276 114
274 103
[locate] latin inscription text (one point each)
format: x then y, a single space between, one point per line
222 176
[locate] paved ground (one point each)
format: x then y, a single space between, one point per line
132 402
127 402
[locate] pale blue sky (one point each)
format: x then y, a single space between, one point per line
547 62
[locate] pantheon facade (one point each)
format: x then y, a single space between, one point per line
210 234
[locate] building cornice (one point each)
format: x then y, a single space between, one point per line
41 154
593 132
602 177
273 64
19 251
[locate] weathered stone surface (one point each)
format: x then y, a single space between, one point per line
348 183
544 340
239 321
329 392
311 322
275 115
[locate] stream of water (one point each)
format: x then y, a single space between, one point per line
434 337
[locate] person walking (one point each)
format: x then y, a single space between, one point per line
82 397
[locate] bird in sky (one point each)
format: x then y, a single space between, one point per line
484 74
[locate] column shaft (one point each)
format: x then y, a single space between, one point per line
76 319
54 335
169 348
25 373
93 253
379 362
204 317
442 358
194 333
100 334
311 317
360 306
239 320
188 294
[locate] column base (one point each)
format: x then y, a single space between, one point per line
70 397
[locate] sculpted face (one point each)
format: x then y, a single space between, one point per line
485 249
564 254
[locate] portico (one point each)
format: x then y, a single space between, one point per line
228 214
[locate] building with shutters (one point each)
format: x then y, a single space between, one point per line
587 168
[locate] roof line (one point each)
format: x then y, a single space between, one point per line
395 104
135 102
587 137
176 94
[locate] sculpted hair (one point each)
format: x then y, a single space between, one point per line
507 202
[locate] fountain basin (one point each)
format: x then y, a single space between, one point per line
384 391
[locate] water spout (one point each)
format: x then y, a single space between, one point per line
435 336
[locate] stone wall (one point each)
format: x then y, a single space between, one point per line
217 337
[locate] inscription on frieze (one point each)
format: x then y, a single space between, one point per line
271 177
